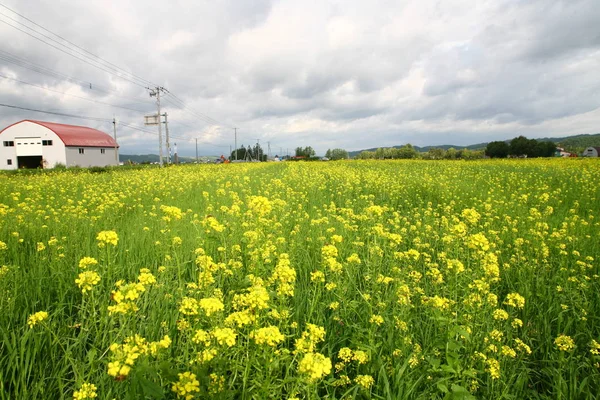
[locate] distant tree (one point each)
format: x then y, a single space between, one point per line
436 153
366 155
241 154
521 146
337 154
467 154
498 149
307 152
545 149
407 151
451 154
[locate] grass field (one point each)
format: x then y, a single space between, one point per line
393 280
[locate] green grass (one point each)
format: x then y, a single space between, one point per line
539 220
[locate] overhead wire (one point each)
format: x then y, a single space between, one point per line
69 94
78 54
56 113
96 61
78 47
23 63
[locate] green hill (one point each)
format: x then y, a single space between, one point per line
575 144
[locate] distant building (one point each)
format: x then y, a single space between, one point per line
592 152
38 144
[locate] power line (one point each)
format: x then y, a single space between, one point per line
23 63
179 104
56 113
68 94
87 61
81 48
199 114
95 60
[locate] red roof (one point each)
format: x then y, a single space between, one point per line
73 135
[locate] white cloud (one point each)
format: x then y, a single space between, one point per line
335 73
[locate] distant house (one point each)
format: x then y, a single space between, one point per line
592 152
560 152
39 144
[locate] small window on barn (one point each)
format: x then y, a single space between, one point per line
46 142
102 151
9 143
9 161
81 151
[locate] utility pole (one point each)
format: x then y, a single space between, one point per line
156 92
258 149
235 134
196 150
115 135
168 144
269 149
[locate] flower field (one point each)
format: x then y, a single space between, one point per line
374 279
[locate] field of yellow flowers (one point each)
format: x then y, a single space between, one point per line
374 279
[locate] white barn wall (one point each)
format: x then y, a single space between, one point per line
28 132
92 156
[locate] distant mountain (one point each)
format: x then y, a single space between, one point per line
575 143
424 149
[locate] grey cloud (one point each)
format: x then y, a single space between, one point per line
326 74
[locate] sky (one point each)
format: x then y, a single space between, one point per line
328 74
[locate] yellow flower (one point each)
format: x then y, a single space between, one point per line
224 336
353 259
171 212
86 262
345 354
87 280
201 336
40 246
515 300
3 246
145 277
34 319
315 365
186 386
500 315
564 343
366 381
516 323
211 305
107 237
87 391
270 336
493 367
188 306
376 319
360 356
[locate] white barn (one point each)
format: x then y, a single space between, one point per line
592 152
33 144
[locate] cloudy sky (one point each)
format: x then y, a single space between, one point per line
345 73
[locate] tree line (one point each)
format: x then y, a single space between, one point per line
520 147
409 152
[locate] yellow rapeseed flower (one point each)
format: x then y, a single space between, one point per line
186 386
315 365
86 391
107 237
564 343
269 335
34 319
87 280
